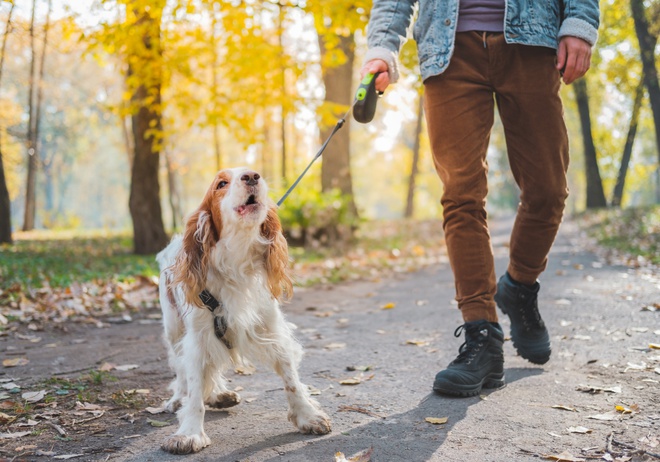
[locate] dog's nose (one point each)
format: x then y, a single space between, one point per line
251 178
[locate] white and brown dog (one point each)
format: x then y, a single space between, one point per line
234 256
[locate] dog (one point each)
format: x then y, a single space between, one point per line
220 288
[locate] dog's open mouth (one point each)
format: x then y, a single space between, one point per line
251 205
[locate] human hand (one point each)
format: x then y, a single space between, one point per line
374 66
573 58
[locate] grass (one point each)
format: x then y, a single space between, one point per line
633 233
57 259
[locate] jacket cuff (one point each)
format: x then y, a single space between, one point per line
579 28
386 55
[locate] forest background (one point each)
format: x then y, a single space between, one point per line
115 115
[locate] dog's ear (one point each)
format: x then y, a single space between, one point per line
192 263
280 282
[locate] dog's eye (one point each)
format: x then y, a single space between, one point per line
222 184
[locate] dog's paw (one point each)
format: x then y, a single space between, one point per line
224 400
182 444
316 423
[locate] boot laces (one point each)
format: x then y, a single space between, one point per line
530 315
474 342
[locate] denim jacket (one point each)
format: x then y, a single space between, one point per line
529 22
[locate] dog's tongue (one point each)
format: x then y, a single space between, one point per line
247 208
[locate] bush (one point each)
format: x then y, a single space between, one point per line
313 219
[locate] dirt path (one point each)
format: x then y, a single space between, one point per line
601 337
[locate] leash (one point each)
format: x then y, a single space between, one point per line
363 107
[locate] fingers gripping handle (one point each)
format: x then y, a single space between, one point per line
366 98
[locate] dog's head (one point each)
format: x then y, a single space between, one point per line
236 202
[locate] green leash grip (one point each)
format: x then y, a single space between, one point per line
366 98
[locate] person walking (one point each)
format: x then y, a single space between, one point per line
473 55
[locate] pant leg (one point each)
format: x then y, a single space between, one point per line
527 92
459 109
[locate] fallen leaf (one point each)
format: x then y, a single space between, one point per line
28 423
627 410
6 418
247 370
107 367
436 420
155 410
157 423
5 436
139 391
564 408
611 415
362 456
87 406
126 367
582 430
388 306
564 457
356 380
417 342
33 396
581 337
335 346
324 314
15 362
351 381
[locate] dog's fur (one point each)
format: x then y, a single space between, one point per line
232 246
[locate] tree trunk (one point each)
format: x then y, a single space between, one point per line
617 194
410 198
31 144
647 43
336 166
173 193
595 193
144 202
5 202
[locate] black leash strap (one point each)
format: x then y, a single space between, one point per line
219 322
340 123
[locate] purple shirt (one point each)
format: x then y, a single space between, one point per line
481 15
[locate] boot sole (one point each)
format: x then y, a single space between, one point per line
492 381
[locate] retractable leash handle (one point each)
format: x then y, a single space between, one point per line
366 98
363 107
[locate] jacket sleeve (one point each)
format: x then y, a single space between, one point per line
581 19
386 32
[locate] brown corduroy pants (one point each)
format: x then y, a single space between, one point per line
459 105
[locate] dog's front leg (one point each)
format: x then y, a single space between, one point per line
190 437
304 412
